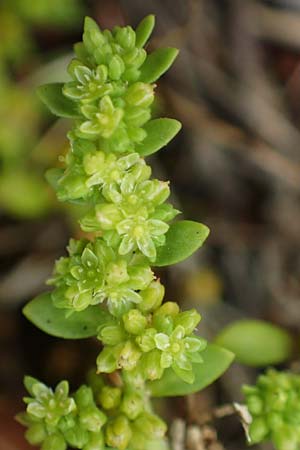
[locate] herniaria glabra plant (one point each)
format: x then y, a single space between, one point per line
106 286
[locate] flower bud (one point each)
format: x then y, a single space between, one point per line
133 60
274 420
112 335
95 381
125 37
136 116
163 324
96 442
107 360
285 438
134 321
92 419
188 320
258 430
132 405
36 434
116 67
136 134
255 405
276 399
110 397
249 390
151 425
118 433
66 423
140 94
54 442
151 366
131 74
76 437
129 356
152 296
84 396
168 309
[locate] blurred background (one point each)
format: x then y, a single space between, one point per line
235 167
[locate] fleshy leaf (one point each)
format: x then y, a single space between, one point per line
157 63
52 96
159 133
43 314
216 361
144 30
256 343
182 239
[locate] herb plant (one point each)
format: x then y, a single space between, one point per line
105 286
274 405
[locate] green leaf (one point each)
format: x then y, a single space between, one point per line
43 314
144 30
182 240
216 361
159 133
52 96
256 343
157 63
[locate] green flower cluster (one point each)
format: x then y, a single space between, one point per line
129 208
108 88
142 334
151 338
274 404
89 419
94 272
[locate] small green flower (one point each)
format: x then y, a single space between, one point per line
133 404
142 233
54 442
46 404
88 85
102 121
110 397
122 356
150 424
175 350
118 433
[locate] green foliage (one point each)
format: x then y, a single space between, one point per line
144 30
274 404
159 133
43 314
215 361
51 95
182 240
157 63
256 343
105 286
